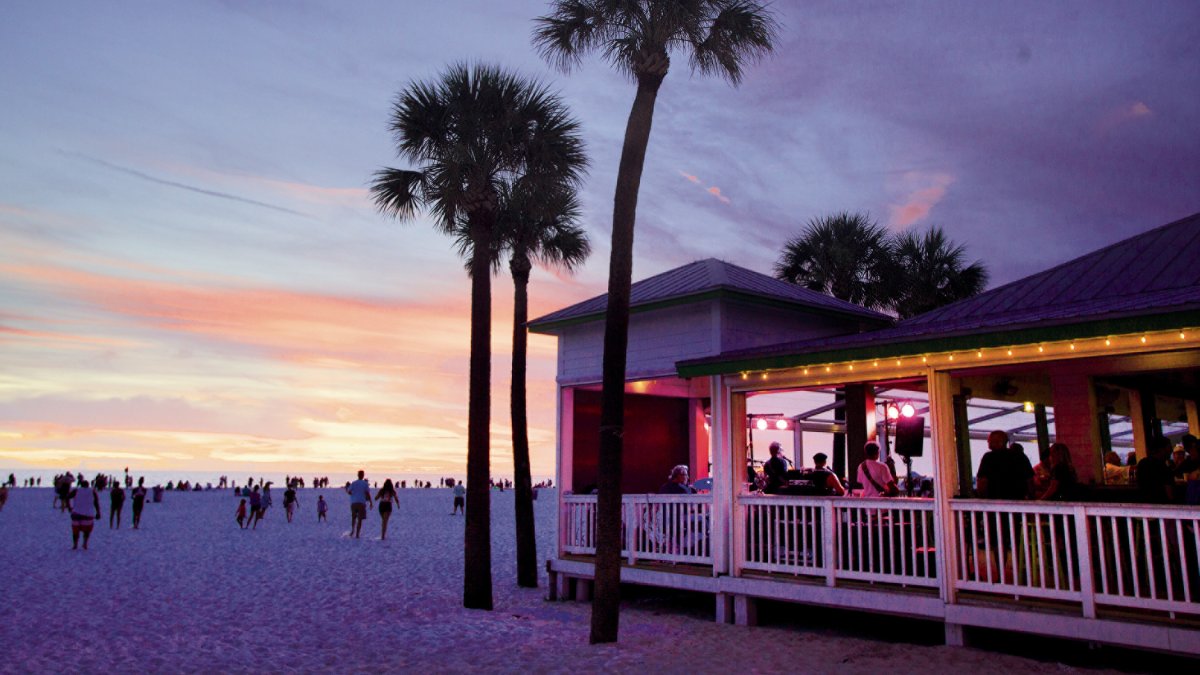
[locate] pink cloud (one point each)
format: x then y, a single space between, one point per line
1122 114
716 192
690 177
920 193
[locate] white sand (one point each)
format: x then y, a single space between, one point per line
190 592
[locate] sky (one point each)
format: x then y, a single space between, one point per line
193 277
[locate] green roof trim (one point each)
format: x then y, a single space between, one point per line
1089 329
549 327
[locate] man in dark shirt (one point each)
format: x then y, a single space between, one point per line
775 468
677 483
1154 480
1004 473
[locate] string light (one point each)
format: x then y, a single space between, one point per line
1143 339
876 364
1072 346
1107 342
1010 352
979 354
806 371
1041 349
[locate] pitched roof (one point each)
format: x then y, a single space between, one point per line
1152 274
707 276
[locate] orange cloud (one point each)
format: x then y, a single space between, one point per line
921 192
716 192
1122 114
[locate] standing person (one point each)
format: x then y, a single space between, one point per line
1155 483
85 509
322 508
116 503
290 502
386 498
460 497
241 515
267 501
774 469
3 496
360 499
874 476
1063 483
255 508
1004 472
139 502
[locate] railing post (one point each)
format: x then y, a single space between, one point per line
828 541
628 510
1083 542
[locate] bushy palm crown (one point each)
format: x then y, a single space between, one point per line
720 36
469 134
844 255
931 272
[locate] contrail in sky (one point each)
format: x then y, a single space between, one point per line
184 186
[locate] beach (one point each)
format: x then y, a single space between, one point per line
191 592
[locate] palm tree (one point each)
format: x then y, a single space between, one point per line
845 255
539 226
474 130
637 37
930 271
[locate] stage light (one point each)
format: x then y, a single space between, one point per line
781 424
893 412
907 410
761 424
1029 406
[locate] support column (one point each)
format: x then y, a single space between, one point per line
860 424
1076 423
1193 418
1041 421
724 608
566 452
1138 422
960 430
745 610
724 474
737 516
954 635
943 406
698 455
797 444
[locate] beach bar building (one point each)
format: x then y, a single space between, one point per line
1101 352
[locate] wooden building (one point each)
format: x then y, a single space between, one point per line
1110 338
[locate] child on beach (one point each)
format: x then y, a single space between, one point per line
322 507
241 515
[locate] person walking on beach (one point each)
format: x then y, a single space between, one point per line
255 508
322 509
116 503
460 497
3 496
267 501
139 502
360 499
290 502
85 509
241 515
386 498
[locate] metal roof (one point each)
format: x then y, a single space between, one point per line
706 276
1153 273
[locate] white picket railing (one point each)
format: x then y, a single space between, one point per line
1109 554
878 540
668 528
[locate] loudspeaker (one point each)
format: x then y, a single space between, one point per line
910 436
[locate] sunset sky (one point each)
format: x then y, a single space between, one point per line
192 276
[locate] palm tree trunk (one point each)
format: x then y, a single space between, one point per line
527 574
477 544
606 604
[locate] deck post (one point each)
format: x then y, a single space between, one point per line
724 603
563 472
945 456
954 635
745 610
723 486
1083 543
737 463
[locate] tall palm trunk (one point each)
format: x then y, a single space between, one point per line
606 604
477 545
527 574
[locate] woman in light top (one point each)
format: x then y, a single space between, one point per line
386 498
85 509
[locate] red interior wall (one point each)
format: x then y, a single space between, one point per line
656 439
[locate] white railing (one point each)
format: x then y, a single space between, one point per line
1110 554
668 528
877 540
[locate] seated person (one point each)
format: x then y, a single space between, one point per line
1114 472
677 482
830 481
